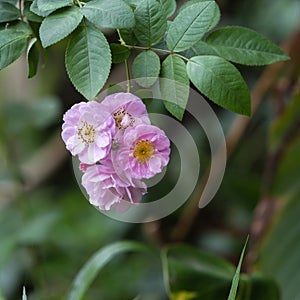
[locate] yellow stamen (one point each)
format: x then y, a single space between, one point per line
143 150
87 133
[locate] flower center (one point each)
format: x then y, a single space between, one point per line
123 119
143 150
87 133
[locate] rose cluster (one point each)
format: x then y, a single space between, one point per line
117 147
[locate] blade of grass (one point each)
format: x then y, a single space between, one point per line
24 297
236 277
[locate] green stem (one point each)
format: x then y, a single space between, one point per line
153 49
20 2
123 43
80 4
120 38
127 75
181 56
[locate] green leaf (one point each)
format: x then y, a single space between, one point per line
109 13
21 27
114 88
236 277
244 46
29 15
144 94
119 53
133 3
128 36
191 2
221 82
145 68
94 265
35 9
9 1
151 22
32 58
191 24
174 92
12 44
8 12
168 6
200 48
88 60
59 25
46 5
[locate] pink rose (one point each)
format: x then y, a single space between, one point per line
143 153
106 189
88 131
127 110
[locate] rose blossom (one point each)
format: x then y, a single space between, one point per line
144 151
127 109
106 189
88 131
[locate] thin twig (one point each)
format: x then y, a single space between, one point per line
127 75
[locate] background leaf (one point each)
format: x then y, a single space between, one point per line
93 266
221 82
45 5
145 68
9 12
211 276
109 13
151 22
175 91
281 260
32 58
256 286
38 114
88 60
193 274
244 46
278 250
281 127
191 24
119 53
59 25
